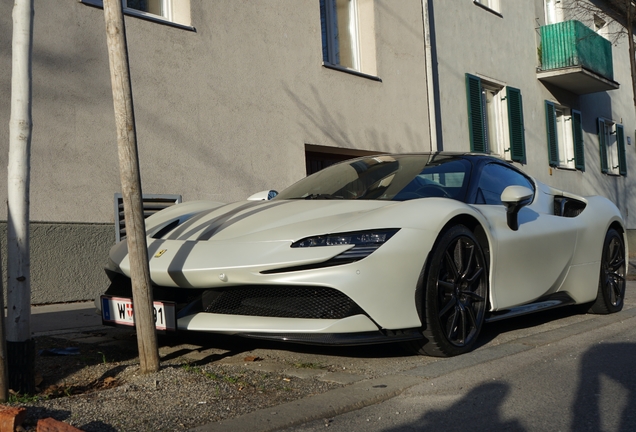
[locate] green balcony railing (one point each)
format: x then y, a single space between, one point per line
572 43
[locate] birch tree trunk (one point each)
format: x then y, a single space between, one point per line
20 346
131 186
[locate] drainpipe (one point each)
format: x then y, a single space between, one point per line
432 79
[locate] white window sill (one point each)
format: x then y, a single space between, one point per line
565 168
139 14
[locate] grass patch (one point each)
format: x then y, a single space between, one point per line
308 366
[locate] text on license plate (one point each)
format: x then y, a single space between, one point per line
119 310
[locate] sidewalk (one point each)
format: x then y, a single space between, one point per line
63 318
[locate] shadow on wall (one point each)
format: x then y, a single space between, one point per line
334 127
609 186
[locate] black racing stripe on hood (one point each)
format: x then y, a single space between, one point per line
179 232
220 225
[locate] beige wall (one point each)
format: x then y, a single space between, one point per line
222 112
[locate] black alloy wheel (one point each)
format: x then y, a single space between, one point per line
611 285
455 294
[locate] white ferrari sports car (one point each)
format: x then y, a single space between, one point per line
417 248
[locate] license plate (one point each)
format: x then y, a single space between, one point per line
119 310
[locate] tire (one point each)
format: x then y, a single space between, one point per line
611 284
454 294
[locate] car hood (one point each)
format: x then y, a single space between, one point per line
286 220
203 244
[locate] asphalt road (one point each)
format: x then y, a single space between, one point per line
554 371
583 382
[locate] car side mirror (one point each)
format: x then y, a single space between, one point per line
263 195
514 198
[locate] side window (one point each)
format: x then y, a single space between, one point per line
494 179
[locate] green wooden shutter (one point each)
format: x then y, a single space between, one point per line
620 143
577 137
476 125
550 126
602 144
515 125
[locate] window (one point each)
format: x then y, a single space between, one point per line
348 34
600 26
490 4
155 7
612 147
173 12
565 137
340 42
494 179
553 11
495 119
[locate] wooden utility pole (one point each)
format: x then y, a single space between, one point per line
20 346
131 186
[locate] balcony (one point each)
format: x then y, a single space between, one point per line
575 58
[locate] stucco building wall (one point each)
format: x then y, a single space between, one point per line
222 112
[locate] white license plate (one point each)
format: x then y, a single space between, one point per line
119 310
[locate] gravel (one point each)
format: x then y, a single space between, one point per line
101 388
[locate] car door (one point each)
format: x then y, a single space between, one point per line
532 261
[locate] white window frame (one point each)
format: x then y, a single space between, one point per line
173 14
553 11
601 26
565 140
611 147
490 4
333 41
495 115
166 10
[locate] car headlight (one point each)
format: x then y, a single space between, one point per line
364 242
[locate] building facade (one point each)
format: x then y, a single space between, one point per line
233 97
543 83
229 97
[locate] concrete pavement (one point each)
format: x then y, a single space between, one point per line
65 317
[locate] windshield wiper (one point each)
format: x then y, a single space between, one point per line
322 196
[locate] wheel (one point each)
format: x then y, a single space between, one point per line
454 292
611 284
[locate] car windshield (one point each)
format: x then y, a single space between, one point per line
384 177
